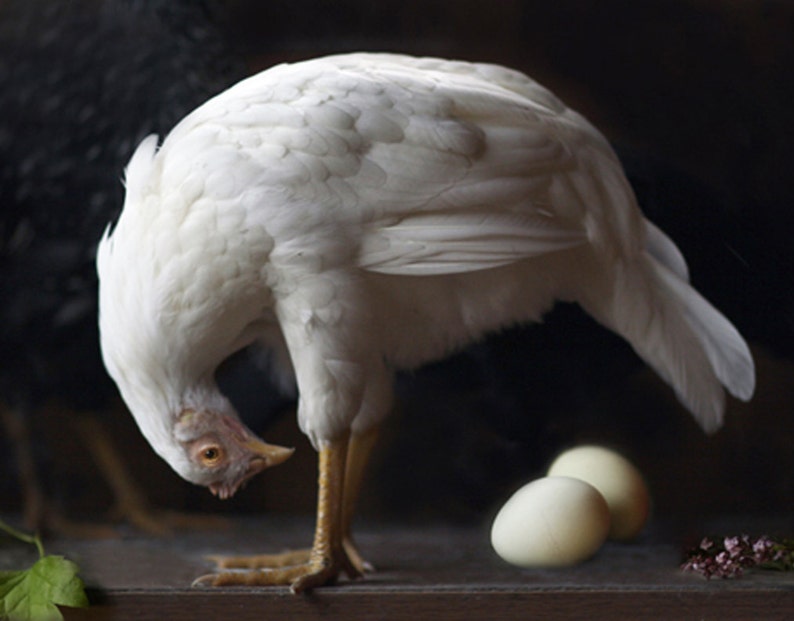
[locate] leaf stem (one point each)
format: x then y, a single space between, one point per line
24 537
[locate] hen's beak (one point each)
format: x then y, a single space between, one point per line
272 454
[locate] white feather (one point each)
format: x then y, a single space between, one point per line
678 333
436 243
138 171
664 250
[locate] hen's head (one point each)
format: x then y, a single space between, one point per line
219 452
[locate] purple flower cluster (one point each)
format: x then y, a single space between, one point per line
731 556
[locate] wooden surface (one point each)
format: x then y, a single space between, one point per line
424 572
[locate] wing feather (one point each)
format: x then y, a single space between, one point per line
440 243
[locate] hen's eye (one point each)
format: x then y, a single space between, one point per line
211 455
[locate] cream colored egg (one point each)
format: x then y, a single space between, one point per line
551 522
619 482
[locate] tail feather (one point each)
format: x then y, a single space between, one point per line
689 343
664 250
725 348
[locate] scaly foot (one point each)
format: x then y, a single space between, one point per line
289 559
354 556
317 570
263 561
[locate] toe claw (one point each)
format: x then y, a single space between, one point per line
207 580
312 580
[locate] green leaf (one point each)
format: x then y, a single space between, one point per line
32 595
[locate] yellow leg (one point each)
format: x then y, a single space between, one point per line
361 446
327 558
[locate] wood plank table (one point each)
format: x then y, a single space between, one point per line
431 572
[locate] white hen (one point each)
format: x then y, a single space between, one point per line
362 213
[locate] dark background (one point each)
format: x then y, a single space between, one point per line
696 97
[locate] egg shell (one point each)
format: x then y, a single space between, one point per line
551 522
618 480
